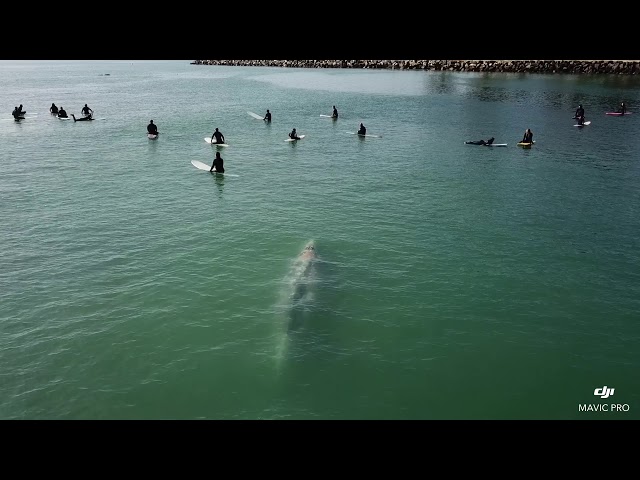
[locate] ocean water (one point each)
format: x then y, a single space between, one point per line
450 281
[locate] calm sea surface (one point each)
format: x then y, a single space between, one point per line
451 281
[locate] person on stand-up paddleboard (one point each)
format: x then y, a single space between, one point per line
217 137
267 117
528 136
362 130
623 109
579 112
335 112
218 164
152 128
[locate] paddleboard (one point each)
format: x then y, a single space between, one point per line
618 114
208 140
525 145
256 116
583 125
365 135
327 116
151 136
206 168
295 139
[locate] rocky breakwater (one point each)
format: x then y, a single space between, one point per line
621 67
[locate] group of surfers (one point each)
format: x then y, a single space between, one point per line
528 134
87 113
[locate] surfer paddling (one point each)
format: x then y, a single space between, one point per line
83 119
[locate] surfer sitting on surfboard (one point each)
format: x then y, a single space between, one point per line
267 117
217 136
528 136
53 109
362 130
293 135
152 129
62 113
86 110
335 112
218 164
16 114
579 112
481 142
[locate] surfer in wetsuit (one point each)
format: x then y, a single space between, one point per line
579 112
218 164
20 110
62 113
83 119
217 136
362 130
528 136
86 110
481 142
623 108
293 135
16 114
53 109
267 117
335 112
152 129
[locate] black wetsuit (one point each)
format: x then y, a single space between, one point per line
528 138
53 109
362 131
218 165
335 113
294 136
623 109
218 137
62 113
85 110
152 129
579 113
267 117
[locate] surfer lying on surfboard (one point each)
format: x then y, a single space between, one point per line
218 164
83 119
481 142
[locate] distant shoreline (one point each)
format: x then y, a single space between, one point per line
589 67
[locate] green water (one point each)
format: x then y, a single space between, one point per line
452 281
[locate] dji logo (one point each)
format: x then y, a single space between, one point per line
603 392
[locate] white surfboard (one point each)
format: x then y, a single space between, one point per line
491 145
208 140
295 139
256 116
65 118
365 135
583 125
151 136
327 116
207 168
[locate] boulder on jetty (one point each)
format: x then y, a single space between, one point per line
618 67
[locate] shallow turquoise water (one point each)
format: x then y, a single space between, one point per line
452 281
